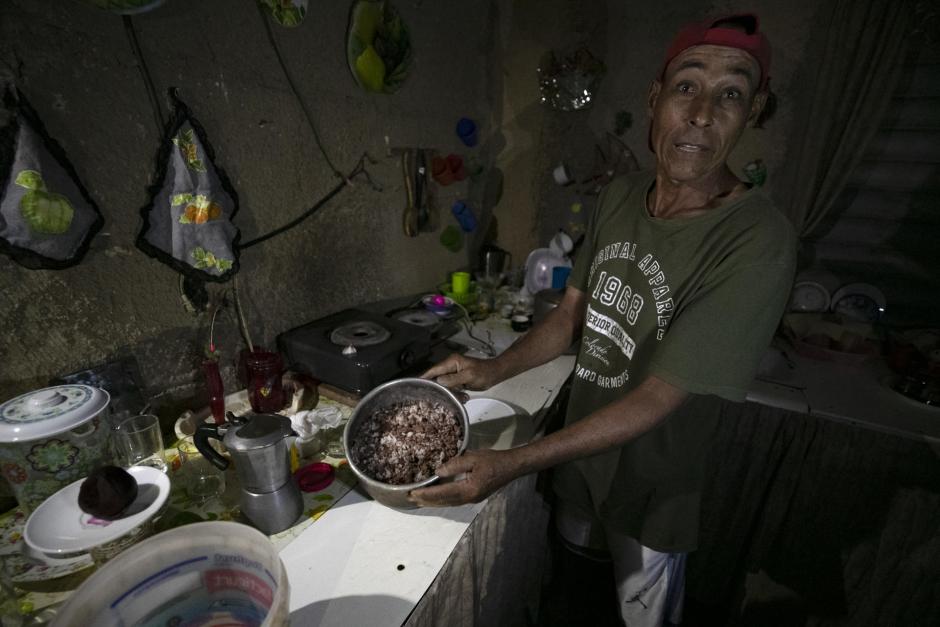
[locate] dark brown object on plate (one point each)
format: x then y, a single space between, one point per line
107 492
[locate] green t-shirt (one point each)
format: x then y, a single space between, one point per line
693 301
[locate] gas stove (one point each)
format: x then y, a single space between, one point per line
357 349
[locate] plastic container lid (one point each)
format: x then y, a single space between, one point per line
50 411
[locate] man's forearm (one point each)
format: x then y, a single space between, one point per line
546 340
612 426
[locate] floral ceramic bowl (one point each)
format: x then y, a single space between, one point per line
51 438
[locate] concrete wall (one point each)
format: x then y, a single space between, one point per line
473 58
76 66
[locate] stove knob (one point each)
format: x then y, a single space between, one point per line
406 358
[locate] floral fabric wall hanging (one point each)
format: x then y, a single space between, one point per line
47 218
188 222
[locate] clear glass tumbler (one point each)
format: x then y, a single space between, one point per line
201 479
138 442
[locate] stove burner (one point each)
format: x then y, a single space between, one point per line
420 318
360 333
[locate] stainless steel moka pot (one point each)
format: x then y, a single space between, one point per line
260 448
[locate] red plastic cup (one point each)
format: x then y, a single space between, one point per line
455 165
440 172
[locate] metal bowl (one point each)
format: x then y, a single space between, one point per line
388 394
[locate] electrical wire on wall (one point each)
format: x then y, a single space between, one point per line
160 120
145 73
359 170
293 89
194 297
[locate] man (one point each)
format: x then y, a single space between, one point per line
677 291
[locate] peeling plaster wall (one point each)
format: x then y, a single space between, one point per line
75 64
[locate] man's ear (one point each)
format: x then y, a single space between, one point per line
653 95
760 100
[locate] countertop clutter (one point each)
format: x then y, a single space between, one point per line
858 393
365 564
345 545
358 562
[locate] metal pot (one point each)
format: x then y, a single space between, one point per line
52 437
388 394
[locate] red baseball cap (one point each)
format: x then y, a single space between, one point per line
722 32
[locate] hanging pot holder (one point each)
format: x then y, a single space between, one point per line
188 222
47 218
378 46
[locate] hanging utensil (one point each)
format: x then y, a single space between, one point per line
421 196
410 215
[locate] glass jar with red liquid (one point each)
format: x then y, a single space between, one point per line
265 389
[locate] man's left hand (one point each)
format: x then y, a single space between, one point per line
484 472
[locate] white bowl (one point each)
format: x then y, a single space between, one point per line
497 425
205 574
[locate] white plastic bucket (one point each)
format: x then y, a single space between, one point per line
202 574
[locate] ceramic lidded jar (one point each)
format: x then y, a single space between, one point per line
50 438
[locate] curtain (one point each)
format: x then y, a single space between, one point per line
846 519
865 41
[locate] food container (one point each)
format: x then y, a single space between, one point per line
208 573
387 394
52 437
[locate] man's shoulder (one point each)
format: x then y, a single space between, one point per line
764 212
768 232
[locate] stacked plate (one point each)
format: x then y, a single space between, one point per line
59 529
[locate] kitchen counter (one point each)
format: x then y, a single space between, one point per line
856 393
366 564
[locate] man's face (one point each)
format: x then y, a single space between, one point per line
706 98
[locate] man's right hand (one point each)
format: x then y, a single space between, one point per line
464 373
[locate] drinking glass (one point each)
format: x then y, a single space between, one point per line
201 479
138 442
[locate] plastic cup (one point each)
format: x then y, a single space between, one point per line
467 131
440 171
560 277
460 282
464 215
201 479
138 442
451 238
